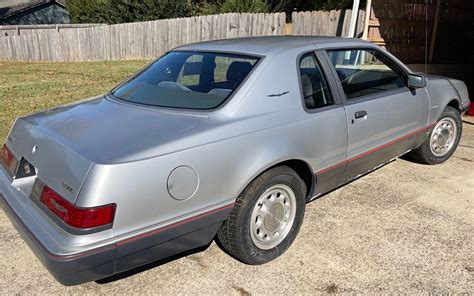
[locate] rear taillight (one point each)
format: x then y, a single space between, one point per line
74 216
6 156
8 159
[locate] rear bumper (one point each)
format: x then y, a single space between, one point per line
73 268
465 107
67 269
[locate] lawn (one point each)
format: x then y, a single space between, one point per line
30 87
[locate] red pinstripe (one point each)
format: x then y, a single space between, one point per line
375 149
156 231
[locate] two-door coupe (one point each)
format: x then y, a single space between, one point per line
229 138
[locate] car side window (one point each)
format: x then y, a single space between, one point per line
315 89
364 72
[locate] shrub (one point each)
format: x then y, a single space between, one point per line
250 6
124 11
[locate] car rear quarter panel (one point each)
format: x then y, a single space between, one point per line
224 168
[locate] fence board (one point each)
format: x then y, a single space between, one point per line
325 23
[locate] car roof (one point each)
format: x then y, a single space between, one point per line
268 45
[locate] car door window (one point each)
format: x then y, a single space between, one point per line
364 72
315 89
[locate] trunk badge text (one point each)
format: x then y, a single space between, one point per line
67 187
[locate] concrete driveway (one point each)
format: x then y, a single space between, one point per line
406 228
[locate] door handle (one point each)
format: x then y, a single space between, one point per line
360 114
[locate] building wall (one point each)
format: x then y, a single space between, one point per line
50 13
454 37
437 31
405 26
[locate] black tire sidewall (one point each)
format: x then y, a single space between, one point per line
451 113
253 254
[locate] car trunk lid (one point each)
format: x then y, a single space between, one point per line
63 143
56 164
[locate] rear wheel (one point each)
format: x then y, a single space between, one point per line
443 139
266 217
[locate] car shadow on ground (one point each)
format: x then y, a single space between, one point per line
128 273
467 122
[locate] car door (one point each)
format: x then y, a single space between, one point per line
385 118
325 122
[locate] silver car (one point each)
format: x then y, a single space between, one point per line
226 139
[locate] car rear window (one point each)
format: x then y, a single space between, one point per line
190 80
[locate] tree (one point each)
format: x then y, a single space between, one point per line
249 6
123 11
307 5
220 6
87 11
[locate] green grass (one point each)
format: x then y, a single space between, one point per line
30 87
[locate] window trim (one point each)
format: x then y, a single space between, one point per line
368 97
259 59
329 81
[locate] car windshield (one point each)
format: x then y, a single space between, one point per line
191 80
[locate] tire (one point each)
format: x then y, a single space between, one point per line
240 237
426 152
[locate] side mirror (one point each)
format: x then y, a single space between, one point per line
416 81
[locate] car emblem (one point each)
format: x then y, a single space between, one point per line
35 148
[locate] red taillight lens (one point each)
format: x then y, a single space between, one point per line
9 160
74 216
6 156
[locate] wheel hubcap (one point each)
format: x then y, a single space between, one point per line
443 137
273 216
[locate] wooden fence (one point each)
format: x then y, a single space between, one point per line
145 40
10 30
326 23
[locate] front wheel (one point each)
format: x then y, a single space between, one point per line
443 139
266 217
